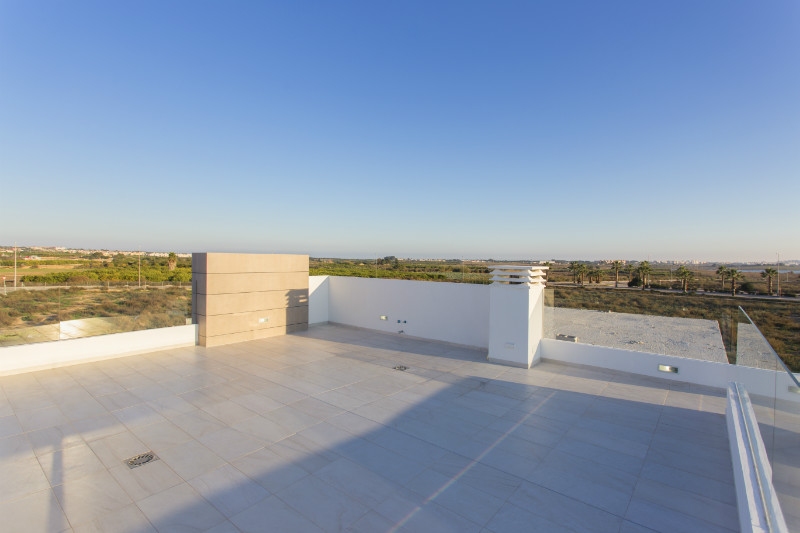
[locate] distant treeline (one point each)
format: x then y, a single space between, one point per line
391 267
37 262
179 275
364 271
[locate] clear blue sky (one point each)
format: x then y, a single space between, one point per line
428 129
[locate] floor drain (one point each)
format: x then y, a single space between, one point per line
141 459
401 368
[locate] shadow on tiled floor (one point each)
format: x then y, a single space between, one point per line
316 431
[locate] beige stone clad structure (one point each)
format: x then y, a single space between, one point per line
243 297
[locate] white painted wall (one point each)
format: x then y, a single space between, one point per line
515 323
459 313
756 380
450 312
318 299
690 370
44 355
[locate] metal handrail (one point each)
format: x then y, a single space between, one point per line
771 514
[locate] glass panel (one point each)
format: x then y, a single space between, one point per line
778 414
46 313
691 326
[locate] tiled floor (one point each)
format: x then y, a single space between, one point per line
317 432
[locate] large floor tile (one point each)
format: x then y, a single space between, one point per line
191 459
328 507
228 490
280 516
128 519
513 519
69 464
91 497
9 426
145 480
230 443
565 510
357 481
269 469
21 477
665 520
38 511
180 508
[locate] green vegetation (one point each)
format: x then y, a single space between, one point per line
769 274
109 274
644 270
390 267
151 308
616 266
722 271
98 268
685 276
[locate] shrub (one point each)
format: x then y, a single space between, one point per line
749 287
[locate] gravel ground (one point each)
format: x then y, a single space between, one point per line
683 337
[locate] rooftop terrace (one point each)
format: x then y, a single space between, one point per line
316 431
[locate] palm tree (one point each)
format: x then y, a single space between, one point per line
644 270
172 260
573 267
769 273
685 275
734 275
582 270
629 270
595 273
722 271
616 266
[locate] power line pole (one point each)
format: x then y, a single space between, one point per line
140 267
15 265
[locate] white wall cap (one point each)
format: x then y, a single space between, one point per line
517 275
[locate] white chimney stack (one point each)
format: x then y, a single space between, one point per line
516 311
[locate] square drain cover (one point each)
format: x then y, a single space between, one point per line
141 459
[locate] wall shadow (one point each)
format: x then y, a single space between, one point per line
474 451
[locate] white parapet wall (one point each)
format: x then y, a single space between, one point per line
688 370
44 355
450 312
460 314
759 381
318 299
